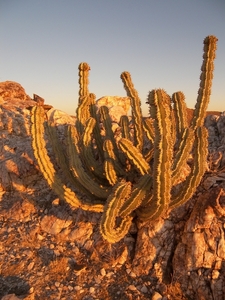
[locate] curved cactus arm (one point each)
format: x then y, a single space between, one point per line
205 80
160 110
70 197
134 155
138 193
198 169
115 235
180 112
83 74
108 228
46 166
78 170
182 154
135 109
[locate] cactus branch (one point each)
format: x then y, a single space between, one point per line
136 108
206 78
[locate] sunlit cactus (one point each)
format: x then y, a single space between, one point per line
119 177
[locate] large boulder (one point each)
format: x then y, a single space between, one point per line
118 106
11 89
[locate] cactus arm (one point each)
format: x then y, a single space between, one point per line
149 155
109 162
89 160
96 130
78 170
110 155
134 155
198 169
105 118
139 192
205 80
39 144
136 109
110 171
82 111
83 80
150 133
149 129
124 124
180 112
182 154
114 202
107 122
160 110
82 114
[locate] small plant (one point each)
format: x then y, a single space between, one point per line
120 178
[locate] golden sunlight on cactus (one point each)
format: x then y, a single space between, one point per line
119 177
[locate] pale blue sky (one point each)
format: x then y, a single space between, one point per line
160 42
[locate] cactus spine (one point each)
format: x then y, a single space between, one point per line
120 177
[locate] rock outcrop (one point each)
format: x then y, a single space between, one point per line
12 90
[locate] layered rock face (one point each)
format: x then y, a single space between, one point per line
187 248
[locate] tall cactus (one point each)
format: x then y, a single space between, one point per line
119 177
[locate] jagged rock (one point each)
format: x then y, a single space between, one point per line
11 89
54 225
216 130
198 257
210 181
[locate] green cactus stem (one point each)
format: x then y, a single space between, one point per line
180 113
182 154
136 109
84 69
160 111
124 124
206 77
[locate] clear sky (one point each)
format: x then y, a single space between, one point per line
160 42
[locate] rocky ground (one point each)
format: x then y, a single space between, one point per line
48 250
